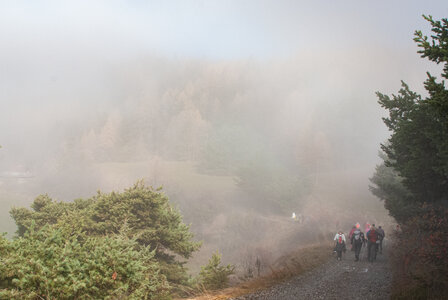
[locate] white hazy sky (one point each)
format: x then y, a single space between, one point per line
205 29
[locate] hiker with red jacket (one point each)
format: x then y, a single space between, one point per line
372 237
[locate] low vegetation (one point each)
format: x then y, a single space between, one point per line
285 267
420 258
56 263
214 276
129 245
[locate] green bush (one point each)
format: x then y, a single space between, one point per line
52 263
146 214
213 276
111 246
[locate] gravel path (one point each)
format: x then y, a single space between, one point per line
344 279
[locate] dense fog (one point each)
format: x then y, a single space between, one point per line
239 137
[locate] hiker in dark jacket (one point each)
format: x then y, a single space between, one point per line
372 237
350 237
357 241
381 236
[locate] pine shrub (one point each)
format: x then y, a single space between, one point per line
213 276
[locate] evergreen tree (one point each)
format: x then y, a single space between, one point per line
388 186
146 214
214 276
60 263
418 147
413 180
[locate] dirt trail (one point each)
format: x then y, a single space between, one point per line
344 279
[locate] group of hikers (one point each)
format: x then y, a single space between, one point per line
373 239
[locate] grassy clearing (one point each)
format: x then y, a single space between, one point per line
288 266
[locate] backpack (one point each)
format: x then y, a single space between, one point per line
372 236
339 239
357 236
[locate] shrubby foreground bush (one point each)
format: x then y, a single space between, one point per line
111 246
214 276
56 264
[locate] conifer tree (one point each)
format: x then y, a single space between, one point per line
145 213
213 275
417 150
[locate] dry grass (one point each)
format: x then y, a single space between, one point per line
290 265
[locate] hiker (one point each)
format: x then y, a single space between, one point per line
350 236
357 240
372 237
381 236
367 227
340 244
351 232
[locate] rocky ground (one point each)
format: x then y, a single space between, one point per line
344 279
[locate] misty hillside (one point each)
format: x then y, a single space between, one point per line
228 141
